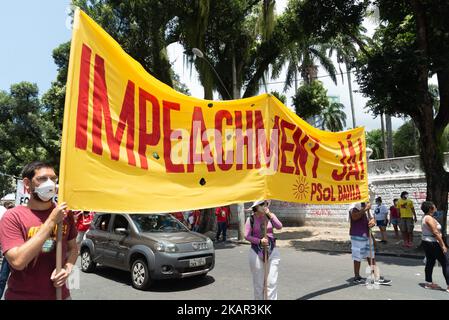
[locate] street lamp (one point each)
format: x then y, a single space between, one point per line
240 206
199 54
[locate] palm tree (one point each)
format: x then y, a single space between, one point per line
333 118
301 58
229 42
344 47
374 141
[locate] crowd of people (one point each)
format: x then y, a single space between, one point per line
28 238
404 215
401 215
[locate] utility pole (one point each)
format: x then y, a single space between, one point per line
351 98
390 151
384 143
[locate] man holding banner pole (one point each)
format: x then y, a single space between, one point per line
28 239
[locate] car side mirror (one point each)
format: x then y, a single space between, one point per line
122 231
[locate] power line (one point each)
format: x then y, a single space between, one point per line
323 76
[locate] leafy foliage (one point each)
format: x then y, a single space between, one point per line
310 100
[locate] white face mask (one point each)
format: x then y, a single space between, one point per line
46 191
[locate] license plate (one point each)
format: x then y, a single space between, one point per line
197 262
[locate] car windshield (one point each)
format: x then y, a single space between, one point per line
157 223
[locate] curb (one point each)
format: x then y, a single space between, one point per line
384 254
381 254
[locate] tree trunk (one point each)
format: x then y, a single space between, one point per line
382 127
388 126
433 165
431 156
207 220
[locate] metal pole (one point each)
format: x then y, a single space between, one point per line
351 98
218 77
240 206
265 261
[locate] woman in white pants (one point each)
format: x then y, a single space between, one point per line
255 233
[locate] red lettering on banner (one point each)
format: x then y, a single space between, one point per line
145 138
83 99
340 176
206 155
170 167
353 169
362 171
300 156
285 146
243 140
351 166
222 164
101 111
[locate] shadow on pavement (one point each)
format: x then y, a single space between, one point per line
116 275
169 285
312 295
322 246
422 285
187 284
295 235
225 245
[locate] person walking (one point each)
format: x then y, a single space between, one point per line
83 220
434 246
196 220
264 256
381 216
408 219
223 215
394 217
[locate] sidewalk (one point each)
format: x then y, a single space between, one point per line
334 239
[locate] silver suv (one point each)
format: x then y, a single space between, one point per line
150 246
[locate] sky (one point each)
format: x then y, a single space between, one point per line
30 30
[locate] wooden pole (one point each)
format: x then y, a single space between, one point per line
265 262
373 276
59 257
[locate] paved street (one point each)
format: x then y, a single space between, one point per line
303 275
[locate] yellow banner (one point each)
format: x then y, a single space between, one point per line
132 144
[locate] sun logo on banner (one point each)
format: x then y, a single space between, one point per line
300 188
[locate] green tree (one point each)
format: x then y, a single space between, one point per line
310 100
26 134
301 58
281 97
403 140
410 44
414 36
374 141
333 117
239 38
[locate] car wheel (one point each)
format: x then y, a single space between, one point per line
140 275
87 262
